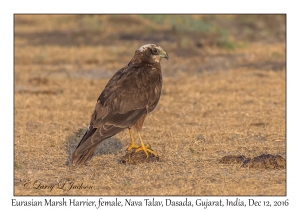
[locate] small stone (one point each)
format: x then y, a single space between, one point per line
134 158
266 161
233 159
200 138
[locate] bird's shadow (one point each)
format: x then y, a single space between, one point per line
109 146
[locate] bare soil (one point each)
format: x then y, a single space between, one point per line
264 161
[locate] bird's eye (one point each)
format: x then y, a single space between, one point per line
155 51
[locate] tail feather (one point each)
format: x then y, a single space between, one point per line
90 142
87 134
82 156
85 149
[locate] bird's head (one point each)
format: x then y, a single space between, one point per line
154 52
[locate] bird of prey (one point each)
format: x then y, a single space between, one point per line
128 97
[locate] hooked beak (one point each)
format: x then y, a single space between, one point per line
164 55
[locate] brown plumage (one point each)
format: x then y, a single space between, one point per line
128 97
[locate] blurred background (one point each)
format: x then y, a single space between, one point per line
98 45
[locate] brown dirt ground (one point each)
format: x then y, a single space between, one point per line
215 102
264 161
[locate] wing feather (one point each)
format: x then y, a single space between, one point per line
132 92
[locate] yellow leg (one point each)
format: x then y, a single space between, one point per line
133 144
146 148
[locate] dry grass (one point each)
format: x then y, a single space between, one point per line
235 99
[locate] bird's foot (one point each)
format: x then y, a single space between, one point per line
133 146
146 149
